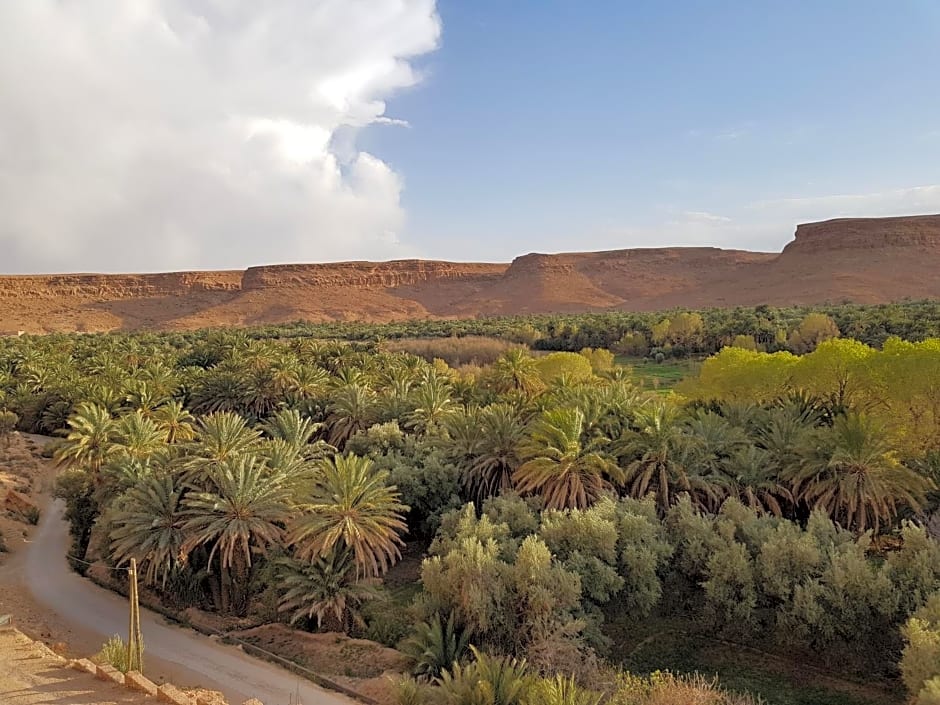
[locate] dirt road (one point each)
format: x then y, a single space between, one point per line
171 653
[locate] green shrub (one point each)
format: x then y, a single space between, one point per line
114 652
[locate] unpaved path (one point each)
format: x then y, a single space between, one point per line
171 653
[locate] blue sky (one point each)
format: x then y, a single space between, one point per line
155 135
551 126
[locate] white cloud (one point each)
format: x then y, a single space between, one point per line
768 225
901 201
161 134
702 217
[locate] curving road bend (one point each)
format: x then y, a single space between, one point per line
172 653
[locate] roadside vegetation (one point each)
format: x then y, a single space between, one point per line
768 503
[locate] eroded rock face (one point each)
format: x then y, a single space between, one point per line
854 259
51 286
396 273
866 234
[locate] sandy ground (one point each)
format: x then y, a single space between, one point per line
52 603
28 678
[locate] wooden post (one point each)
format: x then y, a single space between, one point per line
134 643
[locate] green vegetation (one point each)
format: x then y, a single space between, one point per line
659 376
115 653
770 510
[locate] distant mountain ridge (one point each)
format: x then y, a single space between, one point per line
863 260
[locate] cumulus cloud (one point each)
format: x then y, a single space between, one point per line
145 135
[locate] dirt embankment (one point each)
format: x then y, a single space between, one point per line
856 259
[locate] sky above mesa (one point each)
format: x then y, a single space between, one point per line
154 135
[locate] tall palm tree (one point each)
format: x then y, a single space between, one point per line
433 403
90 440
784 435
351 508
326 590
515 370
657 455
176 422
242 513
352 409
291 427
752 479
148 525
852 473
223 435
138 437
497 457
306 382
565 472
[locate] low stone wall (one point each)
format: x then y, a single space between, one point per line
132 680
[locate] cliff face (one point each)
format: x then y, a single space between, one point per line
864 260
51 286
865 234
410 272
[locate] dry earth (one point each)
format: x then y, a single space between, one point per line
29 676
861 260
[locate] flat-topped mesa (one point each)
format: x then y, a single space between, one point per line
634 257
921 231
407 272
117 286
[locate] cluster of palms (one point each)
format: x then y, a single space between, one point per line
211 496
207 453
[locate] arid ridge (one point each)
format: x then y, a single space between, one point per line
861 260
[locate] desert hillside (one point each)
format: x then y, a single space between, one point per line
861 260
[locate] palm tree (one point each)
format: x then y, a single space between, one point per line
90 441
566 473
144 397
786 432
436 646
515 370
495 680
352 409
241 514
176 422
138 437
710 441
853 475
223 435
147 525
291 427
657 457
351 508
433 403
497 456
219 390
306 382
326 590
752 479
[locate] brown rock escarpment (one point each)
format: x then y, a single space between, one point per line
855 259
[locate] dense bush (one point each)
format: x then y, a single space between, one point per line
781 501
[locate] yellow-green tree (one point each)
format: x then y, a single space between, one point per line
920 661
813 329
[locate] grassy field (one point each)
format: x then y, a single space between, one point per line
662 376
665 646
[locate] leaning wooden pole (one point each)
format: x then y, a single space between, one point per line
134 641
